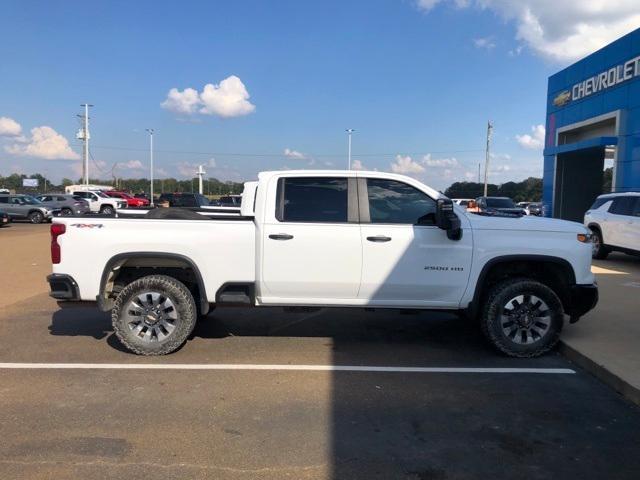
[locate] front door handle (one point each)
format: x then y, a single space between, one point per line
379 238
280 236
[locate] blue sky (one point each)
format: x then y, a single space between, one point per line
416 79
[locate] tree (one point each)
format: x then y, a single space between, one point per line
529 190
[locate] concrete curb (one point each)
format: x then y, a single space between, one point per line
621 386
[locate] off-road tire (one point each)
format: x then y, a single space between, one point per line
107 210
493 308
600 252
36 217
181 298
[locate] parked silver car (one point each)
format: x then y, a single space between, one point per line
64 204
25 207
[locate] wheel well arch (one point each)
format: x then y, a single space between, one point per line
35 210
555 272
594 226
124 268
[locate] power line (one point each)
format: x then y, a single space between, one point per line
280 155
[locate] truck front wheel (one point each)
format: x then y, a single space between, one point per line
522 317
154 315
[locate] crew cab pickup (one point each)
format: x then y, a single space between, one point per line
327 239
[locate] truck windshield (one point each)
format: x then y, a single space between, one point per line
500 203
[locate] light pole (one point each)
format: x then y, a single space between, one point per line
487 157
350 131
151 130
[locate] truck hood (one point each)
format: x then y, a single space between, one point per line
525 223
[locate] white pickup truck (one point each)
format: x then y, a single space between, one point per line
328 239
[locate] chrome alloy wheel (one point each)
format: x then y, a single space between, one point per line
151 316
525 319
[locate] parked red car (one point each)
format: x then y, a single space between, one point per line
131 200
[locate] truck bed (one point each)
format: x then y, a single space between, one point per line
222 248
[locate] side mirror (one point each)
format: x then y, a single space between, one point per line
446 219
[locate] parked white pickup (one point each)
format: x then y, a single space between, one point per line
329 238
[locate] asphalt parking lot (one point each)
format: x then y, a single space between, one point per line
240 400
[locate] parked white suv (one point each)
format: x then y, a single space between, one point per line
614 220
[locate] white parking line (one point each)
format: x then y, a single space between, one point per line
242 366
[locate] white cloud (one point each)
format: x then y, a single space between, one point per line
44 143
562 30
357 165
406 165
484 42
500 169
439 162
426 5
187 169
535 141
227 99
184 102
134 165
9 127
294 154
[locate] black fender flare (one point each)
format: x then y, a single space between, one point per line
474 306
106 305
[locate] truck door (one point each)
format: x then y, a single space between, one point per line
311 245
406 259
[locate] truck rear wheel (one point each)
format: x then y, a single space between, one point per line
522 317
154 315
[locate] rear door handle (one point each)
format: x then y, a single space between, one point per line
280 236
379 238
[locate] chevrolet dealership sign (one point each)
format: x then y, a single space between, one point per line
600 82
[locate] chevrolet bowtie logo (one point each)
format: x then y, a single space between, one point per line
562 98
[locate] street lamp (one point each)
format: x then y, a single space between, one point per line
350 131
151 130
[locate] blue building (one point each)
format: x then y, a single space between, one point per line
593 112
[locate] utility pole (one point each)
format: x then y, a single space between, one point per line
350 131
83 135
150 130
488 154
200 174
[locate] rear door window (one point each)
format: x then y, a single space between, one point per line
599 202
622 205
312 199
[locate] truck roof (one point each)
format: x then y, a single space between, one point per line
350 173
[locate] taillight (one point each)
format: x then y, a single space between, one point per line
57 229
